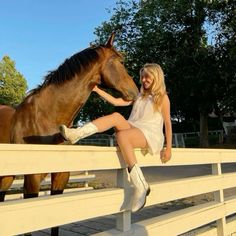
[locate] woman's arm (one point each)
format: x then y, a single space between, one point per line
166 155
111 99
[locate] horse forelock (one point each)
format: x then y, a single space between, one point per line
72 66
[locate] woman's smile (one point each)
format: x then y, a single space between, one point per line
147 82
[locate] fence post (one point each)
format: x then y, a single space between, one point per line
219 197
111 141
123 219
221 137
86 182
175 140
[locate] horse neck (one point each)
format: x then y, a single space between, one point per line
62 102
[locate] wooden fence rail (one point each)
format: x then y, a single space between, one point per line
18 216
77 182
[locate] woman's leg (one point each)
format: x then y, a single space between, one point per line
101 124
115 120
127 141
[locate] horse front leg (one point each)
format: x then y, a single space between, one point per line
5 184
59 181
32 185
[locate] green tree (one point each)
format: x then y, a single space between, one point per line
13 85
176 35
226 52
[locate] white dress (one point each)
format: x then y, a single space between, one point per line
150 122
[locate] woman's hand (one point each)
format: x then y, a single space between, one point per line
165 155
109 98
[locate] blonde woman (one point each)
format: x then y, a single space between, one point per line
143 129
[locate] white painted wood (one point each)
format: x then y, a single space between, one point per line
231 226
123 219
17 196
27 159
160 192
140 231
47 181
230 205
219 197
74 178
57 210
177 222
182 188
56 158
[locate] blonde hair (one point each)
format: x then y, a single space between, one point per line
158 88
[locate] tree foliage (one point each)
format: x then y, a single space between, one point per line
12 83
226 54
194 42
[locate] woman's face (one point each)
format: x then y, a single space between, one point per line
146 80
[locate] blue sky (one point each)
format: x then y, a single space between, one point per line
40 35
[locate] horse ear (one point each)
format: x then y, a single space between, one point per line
109 43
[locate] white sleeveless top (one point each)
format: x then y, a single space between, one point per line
150 122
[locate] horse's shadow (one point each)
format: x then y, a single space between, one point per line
44 139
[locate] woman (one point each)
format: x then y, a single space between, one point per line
143 129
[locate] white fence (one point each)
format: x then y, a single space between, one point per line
18 216
178 139
77 182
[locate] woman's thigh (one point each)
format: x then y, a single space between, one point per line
133 136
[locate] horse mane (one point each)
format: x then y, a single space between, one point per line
69 68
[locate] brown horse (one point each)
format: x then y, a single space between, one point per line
58 100
6 114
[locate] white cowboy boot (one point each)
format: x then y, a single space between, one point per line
74 135
141 188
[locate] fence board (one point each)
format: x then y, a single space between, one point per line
28 159
182 188
57 210
174 223
20 159
85 203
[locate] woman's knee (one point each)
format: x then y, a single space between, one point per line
120 122
117 116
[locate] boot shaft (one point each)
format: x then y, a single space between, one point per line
141 188
137 177
74 135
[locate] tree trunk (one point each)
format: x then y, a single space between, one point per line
204 143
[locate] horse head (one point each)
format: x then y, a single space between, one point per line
114 74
